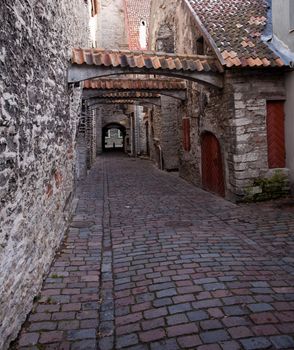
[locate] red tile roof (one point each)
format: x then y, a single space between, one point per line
136 10
236 27
135 84
130 94
144 59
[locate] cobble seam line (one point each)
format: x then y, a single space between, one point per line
106 311
249 242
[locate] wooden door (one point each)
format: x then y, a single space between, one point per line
212 168
276 134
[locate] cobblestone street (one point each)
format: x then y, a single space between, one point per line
152 262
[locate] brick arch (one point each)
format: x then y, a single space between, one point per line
212 164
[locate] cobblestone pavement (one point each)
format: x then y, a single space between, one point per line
151 262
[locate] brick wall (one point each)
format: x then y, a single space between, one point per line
38 124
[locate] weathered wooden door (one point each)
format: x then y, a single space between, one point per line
276 134
212 168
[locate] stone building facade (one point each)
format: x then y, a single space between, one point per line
38 128
282 39
233 119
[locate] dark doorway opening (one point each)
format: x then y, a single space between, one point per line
114 138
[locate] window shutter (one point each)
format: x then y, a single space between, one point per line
276 134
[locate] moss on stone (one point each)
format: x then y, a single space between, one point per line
268 188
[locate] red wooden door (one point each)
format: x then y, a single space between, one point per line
212 168
276 134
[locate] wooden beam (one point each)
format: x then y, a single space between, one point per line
78 73
178 94
97 101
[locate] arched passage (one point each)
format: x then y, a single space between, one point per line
114 137
212 165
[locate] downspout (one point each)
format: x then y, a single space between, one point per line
160 157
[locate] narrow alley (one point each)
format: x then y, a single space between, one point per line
152 262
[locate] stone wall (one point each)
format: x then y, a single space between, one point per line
235 115
38 125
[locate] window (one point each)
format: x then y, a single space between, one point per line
276 134
291 13
200 46
143 34
186 134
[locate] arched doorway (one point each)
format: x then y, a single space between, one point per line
212 167
113 137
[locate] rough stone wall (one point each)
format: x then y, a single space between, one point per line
38 122
236 115
209 110
250 159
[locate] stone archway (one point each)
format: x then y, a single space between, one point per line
114 137
212 164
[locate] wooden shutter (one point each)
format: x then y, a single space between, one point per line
276 134
186 134
212 166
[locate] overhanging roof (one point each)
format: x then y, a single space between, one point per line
102 87
135 84
96 63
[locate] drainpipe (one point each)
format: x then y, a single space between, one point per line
160 157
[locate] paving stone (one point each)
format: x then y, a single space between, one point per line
260 307
187 328
197 315
282 342
154 313
179 308
81 334
240 332
257 343
222 274
28 339
167 344
210 324
51 337
126 340
84 345
214 336
177 319
230 345
150 336
189 341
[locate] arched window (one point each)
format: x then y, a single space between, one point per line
143 34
